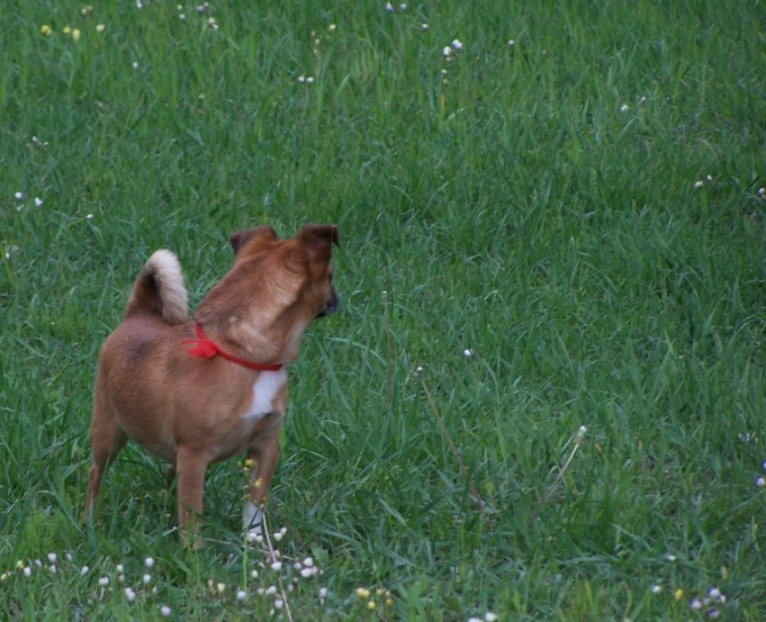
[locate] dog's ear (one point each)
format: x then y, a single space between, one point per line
239 239
321 237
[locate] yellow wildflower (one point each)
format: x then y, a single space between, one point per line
678 594
67 30
371 605
362 593
76 34
45 30
100 28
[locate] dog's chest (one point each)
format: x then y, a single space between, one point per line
265 390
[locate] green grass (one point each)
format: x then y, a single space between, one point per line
536 204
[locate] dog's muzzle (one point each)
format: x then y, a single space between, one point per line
331 306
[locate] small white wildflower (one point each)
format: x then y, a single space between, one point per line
423 26
52 568
276 566
301 78
149 562
67 555
84 571
457 45
307 572
182 17
389 7
762 192
241 595
201 8
52 557
309 80
254 574
511 43
27 571
656 589
38 563
147 579
699 183
38 202
695 605
221 588
165 610
130 594
139 6
490 617
322 592
135 66
19 196
403 7
279 603
761 482
309 561
474 620
714 592
447 51
624 108
467 353
121 578
713 614
119 568
670 557
103 581
271 590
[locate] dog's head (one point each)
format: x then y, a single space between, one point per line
303 262
275 289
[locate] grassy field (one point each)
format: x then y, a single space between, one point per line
552 215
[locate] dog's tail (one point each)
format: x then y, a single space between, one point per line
159 290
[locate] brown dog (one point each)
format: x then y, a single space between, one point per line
197 391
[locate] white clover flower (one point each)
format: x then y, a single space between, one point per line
624 108
52 569
38 202
271 590
403 7
490 617
147 579
714 592
84 571
130 594
241 595
699 183
457 45
119 568
656 589
149 562
695 605
27 571
423 26
511 43
467 353
103 581
762 194
713 614
89 217
447 51
52 557
165 610
307 572
279 603
761 482
254 574
135 66
670 557
276 566
309 561
19 196
389 7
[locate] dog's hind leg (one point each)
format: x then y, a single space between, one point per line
106 440
191 481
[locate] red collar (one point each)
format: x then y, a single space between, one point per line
206 349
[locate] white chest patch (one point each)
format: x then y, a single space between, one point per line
265 390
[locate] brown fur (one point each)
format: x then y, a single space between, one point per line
190 411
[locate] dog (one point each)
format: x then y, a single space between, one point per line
200 390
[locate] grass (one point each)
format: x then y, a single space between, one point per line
581 211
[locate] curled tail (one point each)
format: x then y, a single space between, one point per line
159 290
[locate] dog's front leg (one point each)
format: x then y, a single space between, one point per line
264 454
191 468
